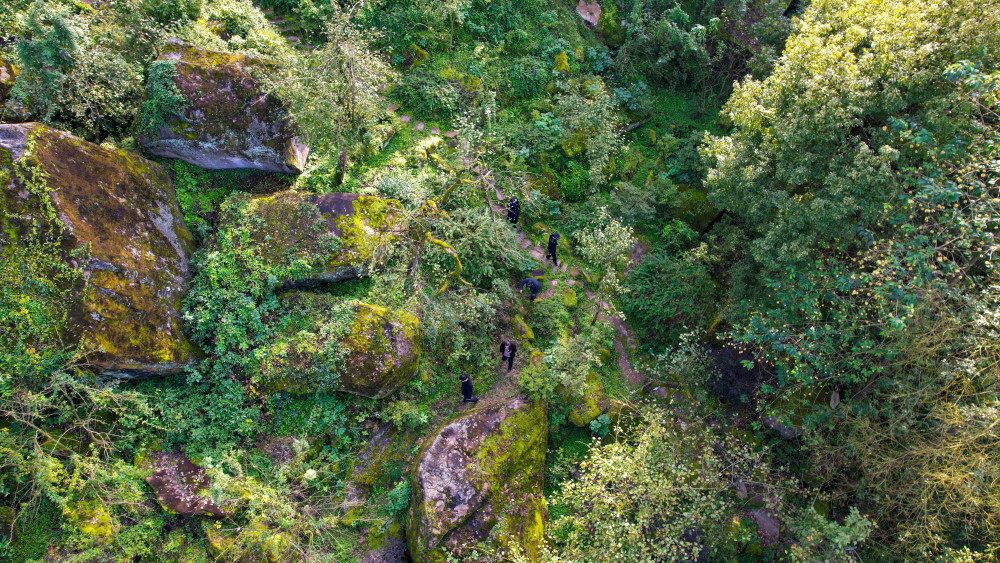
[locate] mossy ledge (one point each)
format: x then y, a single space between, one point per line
480 477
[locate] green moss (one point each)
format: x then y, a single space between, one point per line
521 329
91 517
511 463
570 298
361 349
592 404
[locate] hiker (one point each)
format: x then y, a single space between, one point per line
467 390
532 285
513 210
507 351
553 243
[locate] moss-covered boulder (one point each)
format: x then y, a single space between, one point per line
92 517
229 122
181 487
121 211
593 403
331 237
480 477
347 346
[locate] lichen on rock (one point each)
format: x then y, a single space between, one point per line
121 211
480 477
345 346
338 236
181 486
229 122
593 403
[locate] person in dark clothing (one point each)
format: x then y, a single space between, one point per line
553 243
532 285
513 210
467 390
507 351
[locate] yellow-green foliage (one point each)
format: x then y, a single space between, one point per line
468 82
92 517
561 63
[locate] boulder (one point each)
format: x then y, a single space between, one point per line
8 74
339 235
479 477
593 403
181 486
123 211
229 122
373 353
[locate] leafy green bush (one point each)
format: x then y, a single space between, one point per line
398 499
575 183
71 80
669 294
163 98
172 11
528 76
429 95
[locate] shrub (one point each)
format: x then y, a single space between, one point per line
575 183
172 11
667 293
429 95
163 98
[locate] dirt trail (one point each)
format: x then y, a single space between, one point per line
624 337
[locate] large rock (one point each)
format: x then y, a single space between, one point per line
293 226
121 208
479 472
229 122
181 486
593 403
366 350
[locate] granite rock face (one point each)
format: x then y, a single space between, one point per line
229 122
479 472
121 211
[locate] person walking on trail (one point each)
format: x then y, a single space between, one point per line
507 351
513 210
467 390
532 285
553 243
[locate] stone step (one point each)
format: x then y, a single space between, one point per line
434 130
419 126
405 118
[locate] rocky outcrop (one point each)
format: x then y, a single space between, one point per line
372 355
339 235
593 403
229 122
480 476
122 212
181 486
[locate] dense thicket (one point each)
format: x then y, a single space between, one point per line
780 218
